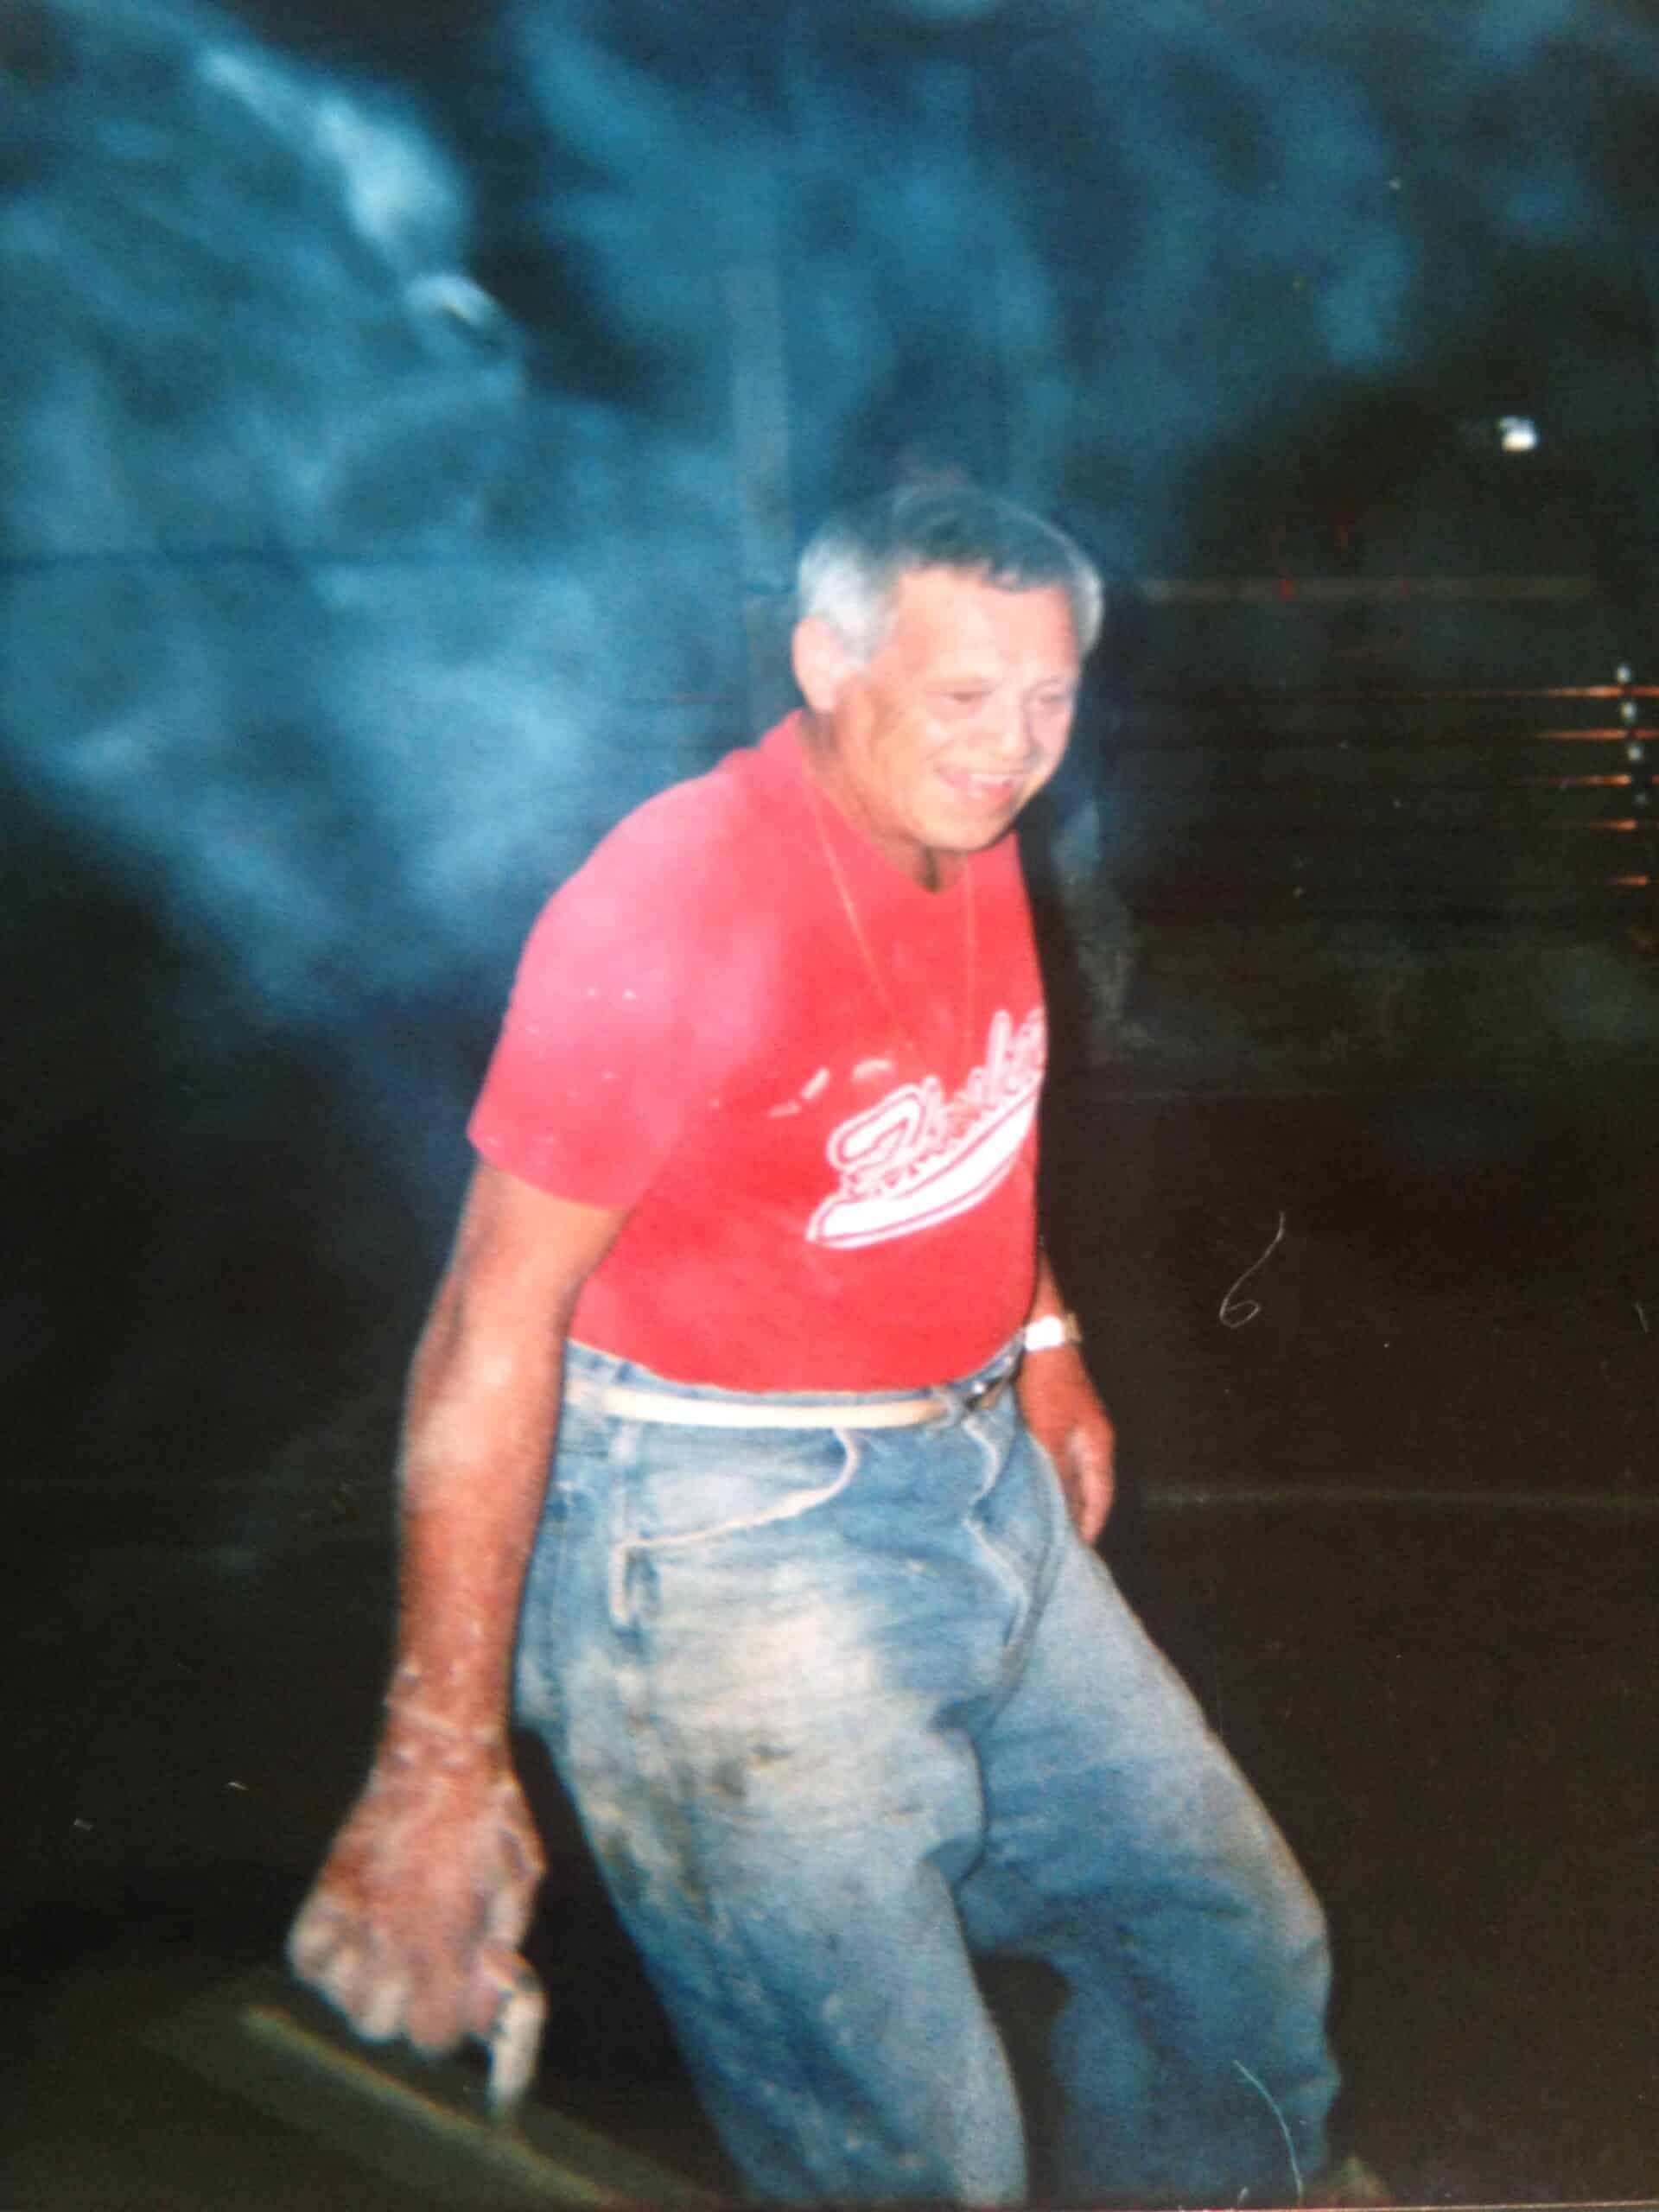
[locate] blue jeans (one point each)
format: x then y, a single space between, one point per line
840 1708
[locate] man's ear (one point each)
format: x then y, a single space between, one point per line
822 664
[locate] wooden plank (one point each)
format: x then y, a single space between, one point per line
423 2125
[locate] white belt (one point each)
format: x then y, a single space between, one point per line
626 1403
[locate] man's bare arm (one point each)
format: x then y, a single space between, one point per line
412 1926
1064 1412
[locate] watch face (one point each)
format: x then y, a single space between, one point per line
1052 1329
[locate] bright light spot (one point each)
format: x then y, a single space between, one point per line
1517 434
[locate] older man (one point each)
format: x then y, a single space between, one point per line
808 1617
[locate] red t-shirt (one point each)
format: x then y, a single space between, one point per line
830 1171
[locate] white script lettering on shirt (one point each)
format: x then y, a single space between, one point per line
917 1158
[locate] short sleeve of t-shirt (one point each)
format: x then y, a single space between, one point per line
609 1039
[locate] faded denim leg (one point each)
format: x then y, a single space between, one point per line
744 1652
836 1704
1124 1848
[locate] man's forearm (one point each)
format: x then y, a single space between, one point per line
477 1441
1047 1298
482 1412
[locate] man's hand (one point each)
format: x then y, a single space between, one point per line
1064 1412
413 1925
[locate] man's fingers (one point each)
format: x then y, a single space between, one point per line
1087 1480
498 1974
439 1961
325 1952
435 2011
508 2012
381 2004
379 1990
512 1897
313 1936
1095 1504
345 1979
1093 1458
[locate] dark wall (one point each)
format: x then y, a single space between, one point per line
411 420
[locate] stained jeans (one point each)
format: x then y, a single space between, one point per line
840 1708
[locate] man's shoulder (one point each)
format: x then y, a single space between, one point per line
713 830
713 806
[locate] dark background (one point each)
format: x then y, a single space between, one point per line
411 420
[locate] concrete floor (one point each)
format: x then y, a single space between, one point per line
1389 1500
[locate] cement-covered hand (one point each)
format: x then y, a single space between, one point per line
412 1926
1063 1411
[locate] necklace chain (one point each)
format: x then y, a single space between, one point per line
884 992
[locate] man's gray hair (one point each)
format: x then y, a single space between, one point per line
850 570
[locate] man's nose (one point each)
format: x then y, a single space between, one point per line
1012 738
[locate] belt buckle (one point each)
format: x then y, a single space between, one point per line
984 1395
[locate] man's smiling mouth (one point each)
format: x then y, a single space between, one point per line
983 787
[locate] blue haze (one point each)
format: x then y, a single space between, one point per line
370 528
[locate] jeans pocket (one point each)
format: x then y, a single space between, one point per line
688 1491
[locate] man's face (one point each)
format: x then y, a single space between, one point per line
935 744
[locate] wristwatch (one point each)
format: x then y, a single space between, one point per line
1052 1330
